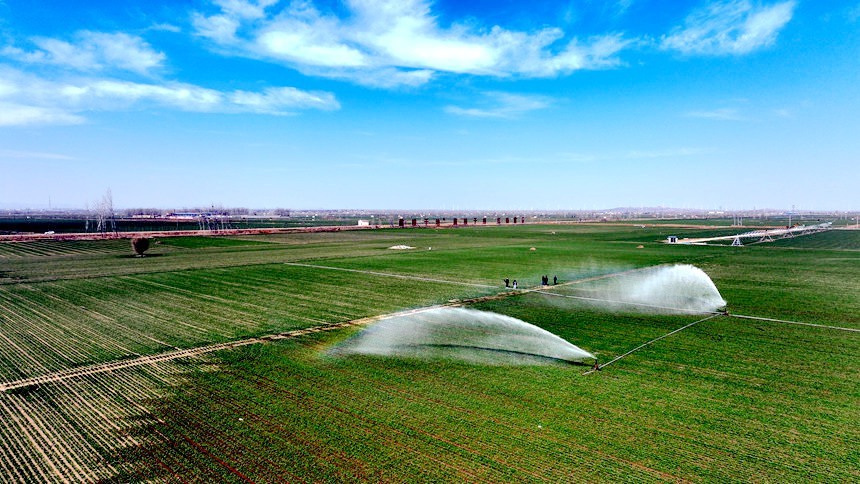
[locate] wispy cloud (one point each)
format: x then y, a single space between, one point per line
91 74
563 158
622 6
721 114
682 152
402 37
91 51
502 105
733 27
29 99
34 155
853 13
165 27
665 153
13 114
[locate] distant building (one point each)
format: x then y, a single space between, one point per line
364 223
672 239
183 215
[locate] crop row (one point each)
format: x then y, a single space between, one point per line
725 400
49 248
477 255
58 325
379 419
81 430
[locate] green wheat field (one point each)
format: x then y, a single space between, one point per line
727 399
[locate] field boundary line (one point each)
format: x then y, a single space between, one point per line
799 323
473 284
109 366
115 365
388 274
682 328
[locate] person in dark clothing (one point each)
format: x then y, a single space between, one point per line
507 282
554 280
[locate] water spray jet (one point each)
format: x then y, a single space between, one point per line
463 334
674 289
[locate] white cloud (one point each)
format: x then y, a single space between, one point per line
250 9
165 27
26 99
15 154
273 100
395 36
621 6
13 114
502 105
92 51
721 114
313 45
220 28
853 13
385 77
661 154
665 153
733 27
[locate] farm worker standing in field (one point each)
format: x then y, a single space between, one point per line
507 282
554 280
515 283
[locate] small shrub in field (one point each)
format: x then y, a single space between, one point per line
140 245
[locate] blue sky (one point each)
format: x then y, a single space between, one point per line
500 104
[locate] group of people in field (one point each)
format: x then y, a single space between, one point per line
508 283
544 281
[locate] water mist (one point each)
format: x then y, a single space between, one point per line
463 334
679 288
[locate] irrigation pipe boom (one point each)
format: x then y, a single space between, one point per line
652 341
814 325
540 290
629 303
198 351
